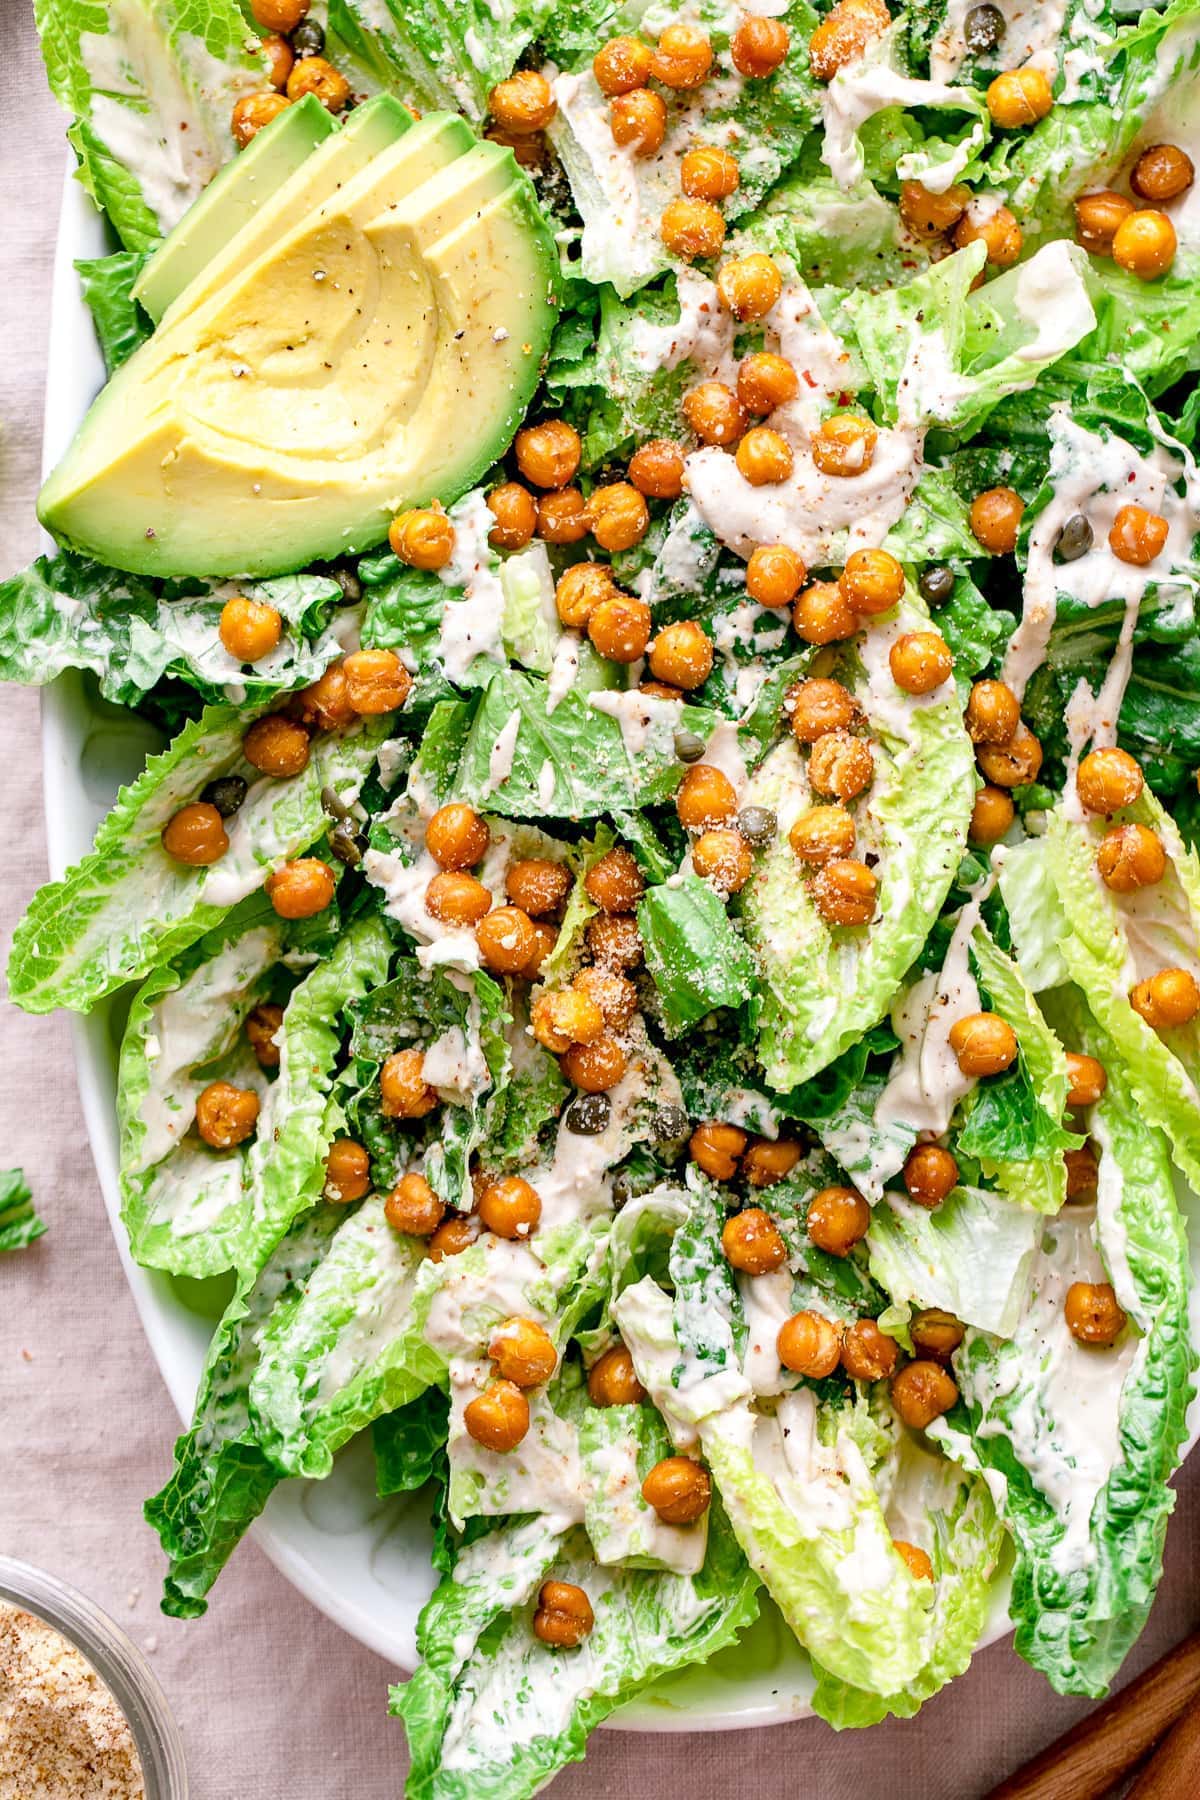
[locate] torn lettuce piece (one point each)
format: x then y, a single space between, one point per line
409 1444
822 985
107 283
618 1447
438 54
840 237
127 906
152 87
1078 1442
20 1225
970 1256
493 1712
694 951
874 82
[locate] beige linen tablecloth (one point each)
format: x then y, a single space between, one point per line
273 1700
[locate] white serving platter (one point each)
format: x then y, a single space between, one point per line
363 1561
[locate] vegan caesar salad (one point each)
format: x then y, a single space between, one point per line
661 942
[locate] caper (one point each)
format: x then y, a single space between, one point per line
689 746
622 1188
670 1122
308 39
757 825
983 28
1074 540
348 581
336 808
345 845
588 1115
937 584
226 794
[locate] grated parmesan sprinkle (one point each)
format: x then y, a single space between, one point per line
62 1734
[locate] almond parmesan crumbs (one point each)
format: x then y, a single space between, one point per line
62 1734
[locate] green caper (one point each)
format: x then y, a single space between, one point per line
1074 540
226 793
669 1123
622 1188
588 1115
758 825
983 28
345 845
308 39
349 583
689 746
937 584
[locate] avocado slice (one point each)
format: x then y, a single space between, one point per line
378 354
231 200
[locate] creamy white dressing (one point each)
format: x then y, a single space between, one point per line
472 624
497 1279
404 876
703 334
564 670
685 1390
866 86
1032 30
645 720
541 1475
500 761
767 1304
454 1064
620 1524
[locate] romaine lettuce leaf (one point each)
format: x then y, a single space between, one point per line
693 950
971 1256
409 1443
20 1225
438 53
107 283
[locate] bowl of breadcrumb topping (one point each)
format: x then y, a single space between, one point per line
82 1716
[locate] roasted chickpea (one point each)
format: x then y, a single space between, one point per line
931 214
377 682
612 1380
1162 172
1088 1079
915 1560
195 835
456 898
301 888
279 15
515 511
638 121
844 34
280 59
774 574
413 1208
347 1172
618 516
822 834
621 65
764 457
1092 1313
325 704
920 661
682 654
765 381
724 858
819 705
564 1615
714 413
810 1345
451 1238
545 937
594 1068
249 629
423 537
1108 779
840 765
749 286
262 1027
682 57
1014 764
1083 1171
404 1091
499 1417
580 589
1097 217
705 798
510 1207
1170 998
615 942
1018 98
678 1489
613 993
1145 244
537 885
768 1160
456 837
872 581
844 445
656 469
692 229
993 713
1131 857
991 816
1137 536
823 615
523 1353
548 454
930 1174
507 941
845 892
983 1043
522 104
935 1333
837 1218
226 1115
276 746
708 173
313 75
565 1017
752 1243
716 1148
996 228
620 626
251 113
921 1392
758 46
614 882
996 519
868 1354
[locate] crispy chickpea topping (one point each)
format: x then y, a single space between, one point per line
996 229
708 173
844 34
262 1027
656 470
810 1345
564 1615
837 1218
920 661
868 1354
638 121
325 705
507 940
499 1417
1145 244
614 994
523 1353
991 816
252 112
615 942
562 516
716 1148
844 445
302 888
682 655
280 59
705 798
515 511
921 1392
841 766
455 898
1019 98
822 834
764 457
758 46
196 835
565 1017
915 1560
537 885
249 629
930 1174
774 575
679 1490
1131 857
612 1380
724 858
768 1160
765 381
993 713
682 57
376 682
714 413
510 1207
1137 536
226 1115
523 103
823 615
819 705
1097 217
621 65
844 892
1014 764
935 1333
1162 172
423 537
451 1238
580 590
983 1043
930 214
1083 1171
996 519
279 15
404 1091
619 627
548 454
347 1172
413 1208
872 581
692 229
614 881
1092 1313
749 286
1108 779
456 836
313 75
275 745
594 1067
1088 1079
752 1243
1168 999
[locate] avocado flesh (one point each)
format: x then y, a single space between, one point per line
378 356
231 200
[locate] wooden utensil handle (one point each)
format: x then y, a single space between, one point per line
1090 1758
1173 1772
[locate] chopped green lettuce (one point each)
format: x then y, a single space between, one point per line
693 950
107 283
20 1225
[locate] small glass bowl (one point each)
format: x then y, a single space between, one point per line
119 1664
